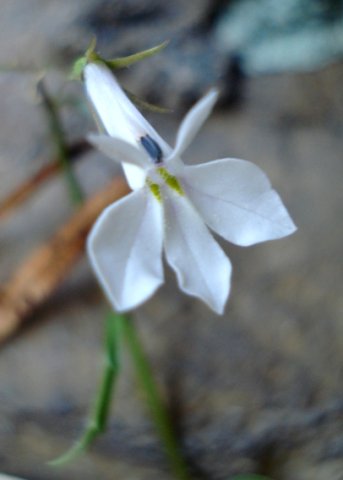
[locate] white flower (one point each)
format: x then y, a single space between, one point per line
172 205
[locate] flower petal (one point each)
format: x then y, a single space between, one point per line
119 150
135 176
201 266
193 121
236 200
116 111
125 249
133 160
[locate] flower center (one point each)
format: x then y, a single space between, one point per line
155 153
163 177
152 148
170 180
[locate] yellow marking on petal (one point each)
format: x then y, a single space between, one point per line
155 190
171 181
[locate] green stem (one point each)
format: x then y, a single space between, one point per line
155 403
58 137
98 419
119 326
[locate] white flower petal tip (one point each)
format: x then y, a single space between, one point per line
117 113
236 200
193 121
202 268
134 160
108 99
125 250
119 150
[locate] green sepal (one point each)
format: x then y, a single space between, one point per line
78 67
146 105
89 56
123 62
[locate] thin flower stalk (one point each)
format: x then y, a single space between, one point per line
155 403
60 143
98 420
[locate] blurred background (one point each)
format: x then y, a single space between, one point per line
259 389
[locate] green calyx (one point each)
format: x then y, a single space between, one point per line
170 180
120 62
89 56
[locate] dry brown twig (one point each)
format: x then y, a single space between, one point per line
28 187
43 271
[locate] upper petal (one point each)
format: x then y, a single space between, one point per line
115 110
237 201
193 121
125 249
201 266
109 101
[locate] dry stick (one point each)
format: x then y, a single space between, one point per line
28 187
43 271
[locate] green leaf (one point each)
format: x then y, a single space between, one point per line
122 62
